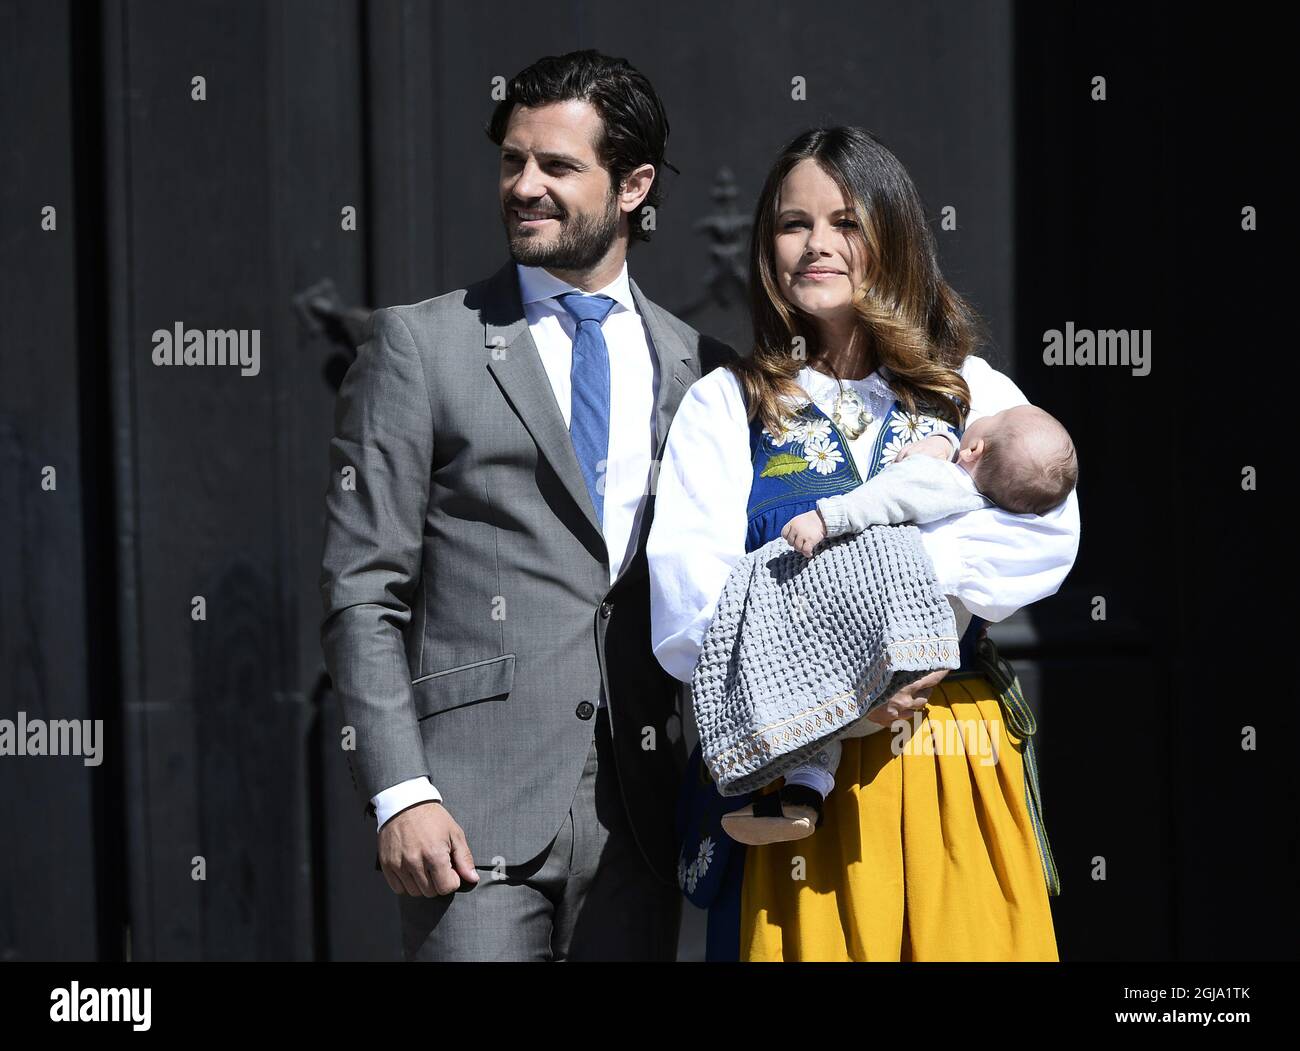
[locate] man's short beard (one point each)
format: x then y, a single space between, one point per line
582 243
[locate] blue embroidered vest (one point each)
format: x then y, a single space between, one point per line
791 473
813 461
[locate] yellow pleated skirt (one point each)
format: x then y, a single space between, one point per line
926 850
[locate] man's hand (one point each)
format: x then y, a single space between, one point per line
423 852
936 445
804 532
909 699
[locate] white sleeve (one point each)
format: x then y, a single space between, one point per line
700 517
994 561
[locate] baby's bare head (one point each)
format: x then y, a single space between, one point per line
1027 464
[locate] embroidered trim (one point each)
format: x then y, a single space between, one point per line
811 725
787 455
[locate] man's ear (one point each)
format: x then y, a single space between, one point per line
636 184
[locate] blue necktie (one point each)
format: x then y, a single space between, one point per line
589 378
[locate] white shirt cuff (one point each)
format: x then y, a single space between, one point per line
403 795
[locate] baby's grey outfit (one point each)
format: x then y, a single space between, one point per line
799 649
919 489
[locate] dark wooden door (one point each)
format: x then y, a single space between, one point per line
179 484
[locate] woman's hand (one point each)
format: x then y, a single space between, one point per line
936 445
908 699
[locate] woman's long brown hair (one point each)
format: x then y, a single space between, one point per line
915 324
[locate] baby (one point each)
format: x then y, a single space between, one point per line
1021 460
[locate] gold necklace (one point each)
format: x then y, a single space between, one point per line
850 413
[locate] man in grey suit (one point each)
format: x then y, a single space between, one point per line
484 575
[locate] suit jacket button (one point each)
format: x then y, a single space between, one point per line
586 710
606 608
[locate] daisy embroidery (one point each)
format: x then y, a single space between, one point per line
692 877
780 439
705 856
823 454
912 428
812 429
891 449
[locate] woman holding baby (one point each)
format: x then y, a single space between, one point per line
861 349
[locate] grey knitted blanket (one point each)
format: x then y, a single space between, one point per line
800 649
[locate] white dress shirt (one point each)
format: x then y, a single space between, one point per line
991 561
633 388
633 385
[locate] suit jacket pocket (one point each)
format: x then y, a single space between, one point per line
462 685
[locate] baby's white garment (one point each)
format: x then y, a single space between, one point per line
917 490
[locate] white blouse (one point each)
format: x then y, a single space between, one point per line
990 560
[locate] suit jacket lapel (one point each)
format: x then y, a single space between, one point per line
517 366
679 366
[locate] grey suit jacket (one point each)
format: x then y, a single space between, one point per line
469 620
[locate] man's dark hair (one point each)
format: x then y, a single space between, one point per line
635 124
